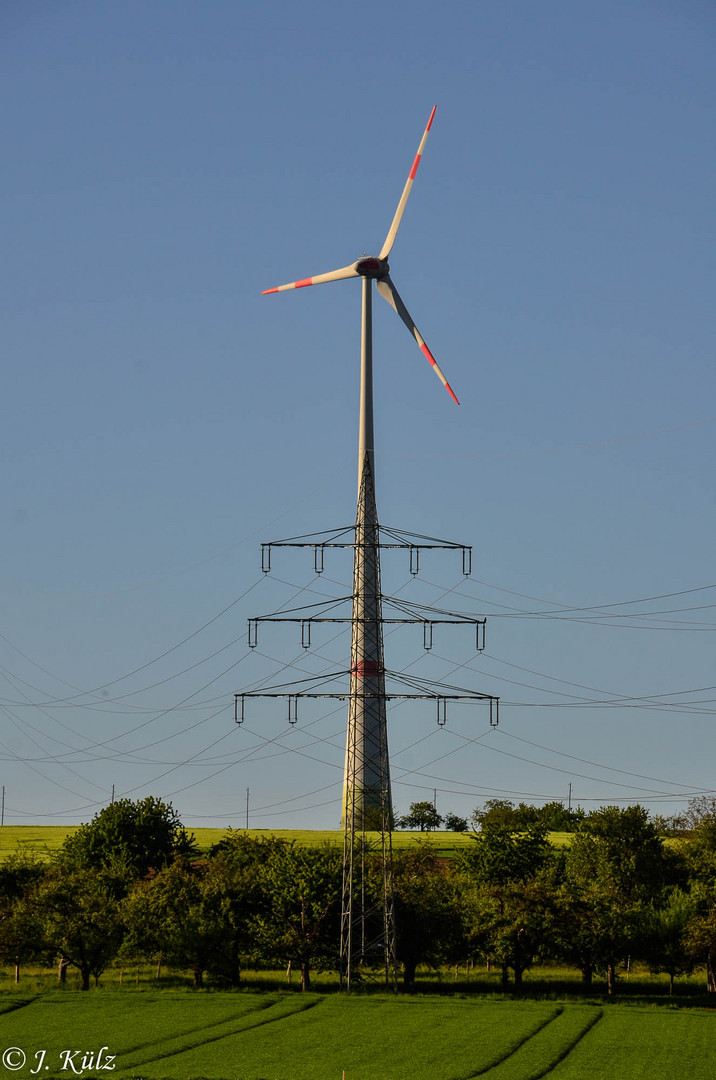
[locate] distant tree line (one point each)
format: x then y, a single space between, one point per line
129 887
555 817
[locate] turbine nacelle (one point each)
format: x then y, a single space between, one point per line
371 267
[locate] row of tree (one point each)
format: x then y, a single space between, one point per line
129 887
554 816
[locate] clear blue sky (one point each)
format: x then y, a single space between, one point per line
163 163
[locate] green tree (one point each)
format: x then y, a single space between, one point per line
184 915
665 936
137 835
698 849
423 816
497 812
699 853
513 924
510 903
455 823
429 927
616 868
700 815
584 926
299 917
501 854
235 868
700 932
20 923
81 917
556 817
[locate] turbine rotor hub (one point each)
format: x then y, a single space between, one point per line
371 267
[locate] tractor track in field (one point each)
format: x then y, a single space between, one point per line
508 1066
593 1020
238 1030
495 1063
13 1006
260 1008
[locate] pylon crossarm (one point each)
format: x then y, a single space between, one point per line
388 696
398 538
441 700
395 541
417 612
428 624
413 614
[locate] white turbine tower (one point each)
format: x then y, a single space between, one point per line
367 779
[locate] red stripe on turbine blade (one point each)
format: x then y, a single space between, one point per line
429 355
302 284
411 174
426 352
430 121
267 291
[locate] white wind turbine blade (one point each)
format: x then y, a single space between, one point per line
388 291
334 275
392 231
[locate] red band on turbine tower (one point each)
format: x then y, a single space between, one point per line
366 669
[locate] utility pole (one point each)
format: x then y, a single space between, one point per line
2 810
247 808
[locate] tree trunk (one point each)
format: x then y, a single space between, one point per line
671 984
85 973
519 971
198 976
505 977
710 978
62 970
288 972
17 969
305 975
587 973
409 967
611 978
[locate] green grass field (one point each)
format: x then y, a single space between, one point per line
46 839
259 1036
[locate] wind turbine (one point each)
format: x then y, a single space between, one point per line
366 796
367 920
377 269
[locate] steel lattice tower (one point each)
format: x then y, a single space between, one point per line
366 785
367 913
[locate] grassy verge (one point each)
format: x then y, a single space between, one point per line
546 983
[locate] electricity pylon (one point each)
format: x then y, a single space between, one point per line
367 916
